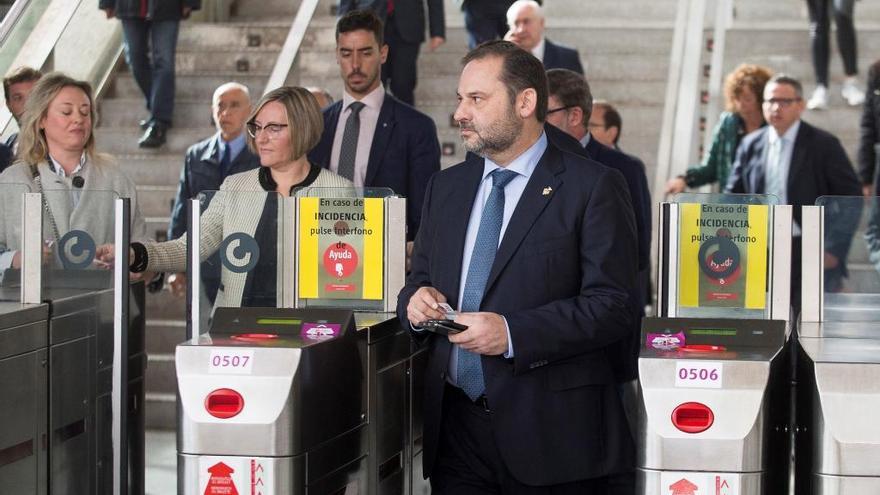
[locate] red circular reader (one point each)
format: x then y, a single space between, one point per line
254 337
224 403
703 348
692 417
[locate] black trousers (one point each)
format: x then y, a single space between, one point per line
399 70
820 25
485 20
469 463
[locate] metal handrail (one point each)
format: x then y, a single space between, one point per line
285 60
11 18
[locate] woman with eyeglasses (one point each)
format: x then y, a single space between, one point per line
284 126
743 94
57 157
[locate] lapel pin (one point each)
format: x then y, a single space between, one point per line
547 190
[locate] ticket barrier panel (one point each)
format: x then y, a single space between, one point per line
24 388
272 399
80 447
714 387
713 412
838 372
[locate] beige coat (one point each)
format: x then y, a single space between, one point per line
237 207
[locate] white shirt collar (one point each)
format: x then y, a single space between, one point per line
538 50
526 163
59 170
585 140
372 100
787 137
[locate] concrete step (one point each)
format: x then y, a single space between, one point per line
124 140
233 35
154 168
161 375
759 11
636 66
155 200
234 61
161 412
606 10
862 278
164 306
249 10
117 112
197 86
163 335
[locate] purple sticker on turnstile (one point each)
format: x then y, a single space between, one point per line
665 341
318 331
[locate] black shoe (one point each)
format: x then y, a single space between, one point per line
154 137
145 123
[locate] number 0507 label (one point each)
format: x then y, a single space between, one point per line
231 361
699 374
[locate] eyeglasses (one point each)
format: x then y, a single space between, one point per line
272 130
781 102
560 109
594 125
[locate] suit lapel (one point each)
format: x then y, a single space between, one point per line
531 204
384 128
458 213
798 158
756 177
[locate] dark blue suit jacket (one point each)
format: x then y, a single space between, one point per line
561 278
561 57
404 155
819 167
201 172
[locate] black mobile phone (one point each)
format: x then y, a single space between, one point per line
443 327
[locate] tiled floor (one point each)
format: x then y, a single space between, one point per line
161 451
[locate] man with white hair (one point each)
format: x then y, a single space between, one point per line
526 21
206 166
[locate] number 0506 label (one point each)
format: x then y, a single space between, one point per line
699 374
231 362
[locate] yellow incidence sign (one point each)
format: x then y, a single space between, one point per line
341 251
723 255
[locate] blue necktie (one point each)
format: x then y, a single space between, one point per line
226 159
470 369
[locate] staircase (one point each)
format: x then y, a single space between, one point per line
208 54
776 34
625 54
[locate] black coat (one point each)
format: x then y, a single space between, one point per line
870 128
561 278
409 17
157 10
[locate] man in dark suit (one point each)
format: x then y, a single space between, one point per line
370 137
206 166
798 163
536 248
404 33
526 21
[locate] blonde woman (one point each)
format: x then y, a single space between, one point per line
285 124
56 156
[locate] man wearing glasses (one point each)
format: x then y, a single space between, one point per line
206 166
797 163
371 138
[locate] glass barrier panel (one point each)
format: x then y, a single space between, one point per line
241 238
724 241
341 252
852 258
75 223
11 196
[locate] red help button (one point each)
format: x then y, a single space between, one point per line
224 403
692 417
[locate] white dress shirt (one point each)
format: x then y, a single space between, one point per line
524 165
538 50
784 163
369 117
